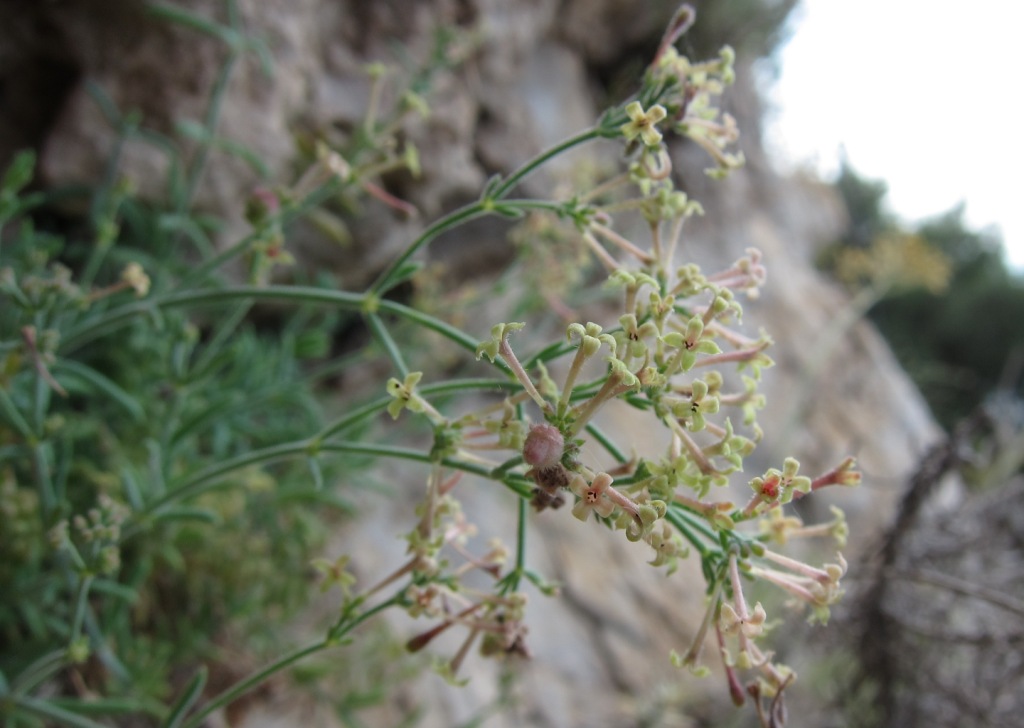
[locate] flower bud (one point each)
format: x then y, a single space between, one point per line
544 447
261 205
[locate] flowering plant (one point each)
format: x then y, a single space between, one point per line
666 353
672 350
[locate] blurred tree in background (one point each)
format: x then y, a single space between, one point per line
939 292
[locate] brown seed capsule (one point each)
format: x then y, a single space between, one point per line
544 447
543 499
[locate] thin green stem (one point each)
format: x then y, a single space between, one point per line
208 477
505 349
13 416
283 218
570 380
611 389
213 113
549 352
117 317
451 333
226 327
102 247
303 294
384 338
682 524
191 693
171 424
520 174
510 582
101 648
482 207
517 484
500 470
41 392
81 606
558 208
374 407
698 522
108 706
606 442
39 671
373 105
51 712
520 539
44 483
461 215
189 20
198 482
255 680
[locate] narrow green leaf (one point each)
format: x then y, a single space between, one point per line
321 497
187 513
191 129
188 698
102 384
55 714
316 472
192 20
106 706
114 589
131 490
13 416
19 172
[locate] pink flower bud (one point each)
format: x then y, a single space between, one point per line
262 203
544 447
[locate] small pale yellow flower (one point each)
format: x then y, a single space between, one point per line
751 626
643 124
779 526
135 277
593 496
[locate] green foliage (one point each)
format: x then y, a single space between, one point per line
864 202
95 436
129 553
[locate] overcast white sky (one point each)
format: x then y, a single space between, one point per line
923 94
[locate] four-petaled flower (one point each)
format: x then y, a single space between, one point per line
667 545
751 624
335 573
778 526
404 394
499 332
593 496
643 124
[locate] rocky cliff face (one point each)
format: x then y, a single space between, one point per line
537 70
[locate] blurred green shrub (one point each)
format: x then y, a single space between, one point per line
941 295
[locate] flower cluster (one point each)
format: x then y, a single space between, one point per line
674 350
91 540
434 588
